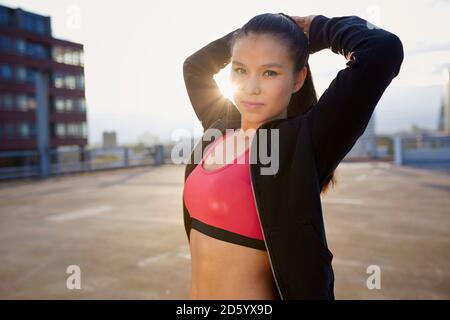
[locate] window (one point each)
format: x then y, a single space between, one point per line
35 50
80 82
68 57
41 52
84 131
26 21
65 105
4 16
81 55
24 130
59 105
40 25
72 129
20 46
76 58
69 105
77 130
32 129
22 102
58 80
58 54
70 82
21 74
5 71
7 101
60 130
31 103
81 105
29 49
31 75
5 44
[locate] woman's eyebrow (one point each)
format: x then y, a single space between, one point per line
267 65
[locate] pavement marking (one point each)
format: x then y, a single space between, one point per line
182 252
79 214
365 165
28 277
361 177
385 165
124 178
184 255
145 262
345 201
358 165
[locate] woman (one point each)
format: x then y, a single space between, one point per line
254 235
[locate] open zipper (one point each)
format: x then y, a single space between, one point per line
259 218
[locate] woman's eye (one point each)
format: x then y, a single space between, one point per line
270 72
273 73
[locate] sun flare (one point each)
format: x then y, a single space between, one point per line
224 83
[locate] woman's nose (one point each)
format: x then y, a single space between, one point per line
252 86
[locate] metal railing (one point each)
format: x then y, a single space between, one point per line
24 164
422 149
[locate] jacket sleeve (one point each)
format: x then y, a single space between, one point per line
341 115
198 70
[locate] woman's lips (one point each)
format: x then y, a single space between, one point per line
251 104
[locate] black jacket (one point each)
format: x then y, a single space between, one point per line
310 146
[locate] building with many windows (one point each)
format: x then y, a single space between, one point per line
42 96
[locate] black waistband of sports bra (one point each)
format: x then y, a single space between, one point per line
226 235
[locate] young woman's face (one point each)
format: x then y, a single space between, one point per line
262 73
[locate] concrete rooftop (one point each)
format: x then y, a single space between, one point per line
124 229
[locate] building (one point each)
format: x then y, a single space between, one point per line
366 145
109 139
42 97
444 112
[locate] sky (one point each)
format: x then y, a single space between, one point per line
135 49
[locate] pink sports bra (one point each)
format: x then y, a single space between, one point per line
221 203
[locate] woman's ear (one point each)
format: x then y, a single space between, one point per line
300 79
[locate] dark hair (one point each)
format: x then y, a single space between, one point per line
285 28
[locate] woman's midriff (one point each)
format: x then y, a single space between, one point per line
223 270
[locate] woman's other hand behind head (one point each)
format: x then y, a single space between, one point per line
304 23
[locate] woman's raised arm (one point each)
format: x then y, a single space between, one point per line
198 70
341 115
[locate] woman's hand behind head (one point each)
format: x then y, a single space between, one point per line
304 23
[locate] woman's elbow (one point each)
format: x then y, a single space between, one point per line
394 47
